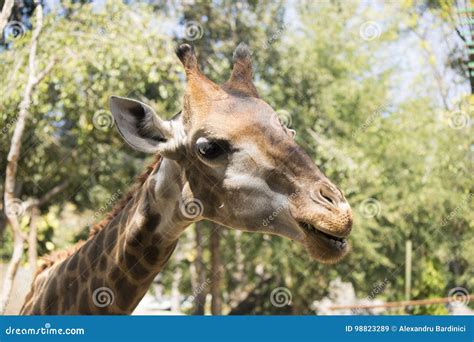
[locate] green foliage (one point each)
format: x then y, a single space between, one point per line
430 284
98 53
310 62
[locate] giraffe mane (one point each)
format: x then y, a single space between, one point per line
55 257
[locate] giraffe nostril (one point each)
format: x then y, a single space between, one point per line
326 195
327 198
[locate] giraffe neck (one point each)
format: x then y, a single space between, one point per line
111 272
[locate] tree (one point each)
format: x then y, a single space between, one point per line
200 277
5 14
67 150
11 204
216 271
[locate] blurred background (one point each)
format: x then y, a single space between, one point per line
379 93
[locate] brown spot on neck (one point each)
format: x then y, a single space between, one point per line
152 221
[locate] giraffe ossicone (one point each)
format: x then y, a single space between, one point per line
222 158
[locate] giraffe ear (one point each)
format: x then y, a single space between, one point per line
139 125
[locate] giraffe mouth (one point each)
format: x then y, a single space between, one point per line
332 241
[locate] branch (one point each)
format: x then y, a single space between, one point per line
51 193
15 146
436 73
6 12
44 73
12 164
33 240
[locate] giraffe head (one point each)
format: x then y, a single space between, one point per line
239 165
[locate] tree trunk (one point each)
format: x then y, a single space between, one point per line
6 12
3 215
175 294
13 206
471 74
12 269
200 289
3 223
32 240
240 277
216 271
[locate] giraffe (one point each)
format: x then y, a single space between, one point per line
225 158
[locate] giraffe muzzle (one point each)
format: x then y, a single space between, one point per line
325 219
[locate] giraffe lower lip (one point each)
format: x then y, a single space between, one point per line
335 241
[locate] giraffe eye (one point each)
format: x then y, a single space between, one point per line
211 149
